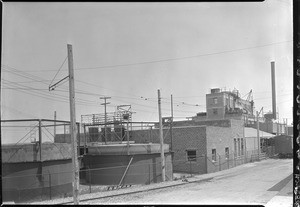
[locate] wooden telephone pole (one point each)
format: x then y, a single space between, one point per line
162 154
105 117
73 127
257 128
54 124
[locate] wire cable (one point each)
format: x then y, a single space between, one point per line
58 71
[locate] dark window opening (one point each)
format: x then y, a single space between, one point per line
227 152
191 155
214 155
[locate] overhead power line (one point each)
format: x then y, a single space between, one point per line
182 58
170 59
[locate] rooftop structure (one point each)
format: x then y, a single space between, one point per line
226 104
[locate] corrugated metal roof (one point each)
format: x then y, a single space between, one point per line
251 132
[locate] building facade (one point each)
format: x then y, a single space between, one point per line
200 146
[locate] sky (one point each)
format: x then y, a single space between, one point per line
127 51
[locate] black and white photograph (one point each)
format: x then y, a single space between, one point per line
147 103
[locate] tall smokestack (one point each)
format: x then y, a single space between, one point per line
273 89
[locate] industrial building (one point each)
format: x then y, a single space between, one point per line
226 104
113 150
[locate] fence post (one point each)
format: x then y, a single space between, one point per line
90 180
149 173
191 168
219 162
19 195
50 186
228 163
206 167
43 185
234 160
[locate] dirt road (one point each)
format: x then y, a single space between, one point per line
252 183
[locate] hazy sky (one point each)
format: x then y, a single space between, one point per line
129 50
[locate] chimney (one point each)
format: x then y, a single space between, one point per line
273 89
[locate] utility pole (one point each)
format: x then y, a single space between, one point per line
286 127
171 130
54 124
278 123
162 154
40 138
258 140
171 125
73 127
257 125
105 118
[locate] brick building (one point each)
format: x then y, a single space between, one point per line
200 146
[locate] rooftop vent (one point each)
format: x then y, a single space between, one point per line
215 90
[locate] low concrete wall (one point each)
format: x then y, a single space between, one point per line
25 181
31 152
121 149
109 169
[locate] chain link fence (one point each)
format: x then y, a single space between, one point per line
47 186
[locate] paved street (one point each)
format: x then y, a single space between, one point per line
252 183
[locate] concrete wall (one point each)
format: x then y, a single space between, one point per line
25 181
31 152
109 169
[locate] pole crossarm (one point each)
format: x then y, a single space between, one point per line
53 86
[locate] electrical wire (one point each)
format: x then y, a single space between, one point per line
173 59
182 58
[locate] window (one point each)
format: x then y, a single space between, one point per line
215 111
191 155
227 152
214 155
215 100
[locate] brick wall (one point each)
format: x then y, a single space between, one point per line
218 138
189 138
215 134
184 138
